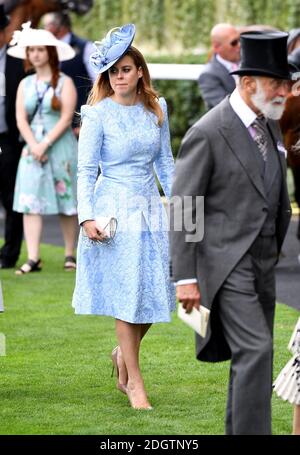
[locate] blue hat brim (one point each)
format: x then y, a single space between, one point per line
117 51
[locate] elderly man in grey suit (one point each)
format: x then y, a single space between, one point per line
234 157
215 81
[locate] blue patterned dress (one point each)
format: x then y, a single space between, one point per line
49 188
128 278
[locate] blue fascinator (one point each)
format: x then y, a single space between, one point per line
112 47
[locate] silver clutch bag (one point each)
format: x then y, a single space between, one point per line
109 225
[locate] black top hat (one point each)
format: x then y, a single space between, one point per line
4 20
264 54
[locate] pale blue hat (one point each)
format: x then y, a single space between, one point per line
112 47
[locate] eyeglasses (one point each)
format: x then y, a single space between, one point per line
234 42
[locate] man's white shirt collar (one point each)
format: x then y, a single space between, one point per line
66 38
226 63
242 109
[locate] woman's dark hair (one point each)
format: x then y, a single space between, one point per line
54 65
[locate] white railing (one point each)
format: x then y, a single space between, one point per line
175 71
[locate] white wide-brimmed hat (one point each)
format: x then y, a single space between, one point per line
37 37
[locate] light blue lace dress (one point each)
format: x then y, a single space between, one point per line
50 188
127 279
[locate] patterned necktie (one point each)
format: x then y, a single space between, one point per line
260 136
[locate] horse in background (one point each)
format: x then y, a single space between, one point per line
21 11
290 127
290 121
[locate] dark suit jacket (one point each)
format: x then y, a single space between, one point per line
14 72
216 160
215 83
75 68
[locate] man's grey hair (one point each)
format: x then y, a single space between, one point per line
60 19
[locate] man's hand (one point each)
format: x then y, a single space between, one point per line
189 296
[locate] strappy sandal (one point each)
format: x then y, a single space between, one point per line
70 263
29 266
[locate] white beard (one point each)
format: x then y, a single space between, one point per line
268 108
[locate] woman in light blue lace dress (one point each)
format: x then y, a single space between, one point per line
125 132
46 176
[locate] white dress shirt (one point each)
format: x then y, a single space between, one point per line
242 110
228 65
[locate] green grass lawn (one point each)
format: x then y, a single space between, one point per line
55 377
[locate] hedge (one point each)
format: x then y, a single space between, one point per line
184 101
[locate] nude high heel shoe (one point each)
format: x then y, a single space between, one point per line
145 407
114 359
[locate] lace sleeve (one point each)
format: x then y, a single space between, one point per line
164 163
89 150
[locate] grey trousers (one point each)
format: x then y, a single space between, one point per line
246 304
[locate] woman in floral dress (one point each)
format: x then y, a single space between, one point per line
46 177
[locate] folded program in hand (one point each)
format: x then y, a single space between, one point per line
196 319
